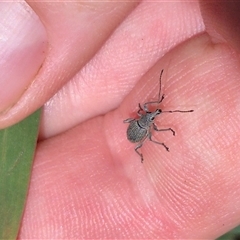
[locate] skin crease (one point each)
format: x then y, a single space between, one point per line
87 180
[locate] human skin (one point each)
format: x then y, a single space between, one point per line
87 180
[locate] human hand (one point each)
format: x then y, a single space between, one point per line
87 180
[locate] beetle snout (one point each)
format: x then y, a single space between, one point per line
158 111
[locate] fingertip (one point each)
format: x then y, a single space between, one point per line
23 45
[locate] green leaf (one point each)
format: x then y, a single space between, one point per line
232 235
17 147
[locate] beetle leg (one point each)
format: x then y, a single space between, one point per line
139 110
139 145
150 138
153 102
164 129
140 154
129 120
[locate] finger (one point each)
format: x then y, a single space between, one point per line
222 21
92 173
75 33
23 50
199 174
112 73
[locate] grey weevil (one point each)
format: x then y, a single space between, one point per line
140 129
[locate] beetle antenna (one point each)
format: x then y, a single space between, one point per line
160 99
160 87
177 111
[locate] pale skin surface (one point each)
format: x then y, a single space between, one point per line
87 180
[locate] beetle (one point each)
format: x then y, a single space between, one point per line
141 128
